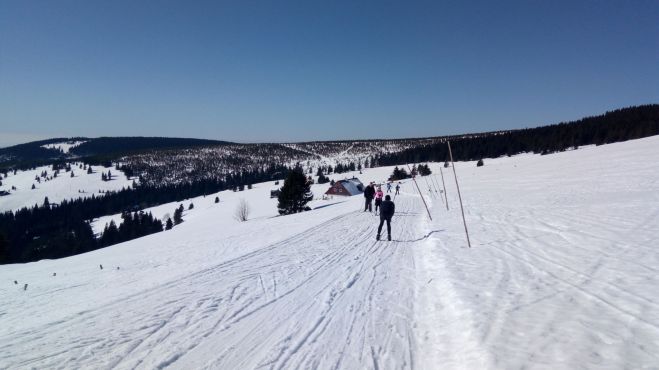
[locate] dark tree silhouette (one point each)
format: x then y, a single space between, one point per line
295 194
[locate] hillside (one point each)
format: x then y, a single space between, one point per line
173 161
561 274
94 150
81 184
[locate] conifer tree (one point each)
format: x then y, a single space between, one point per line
4 249
178 215
169 224
217 199
295 194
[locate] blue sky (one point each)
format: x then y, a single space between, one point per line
255 71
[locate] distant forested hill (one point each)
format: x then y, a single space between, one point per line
618 125
106 148
175 169
172 160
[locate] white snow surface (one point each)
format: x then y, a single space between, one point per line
562 274
65 146
82 185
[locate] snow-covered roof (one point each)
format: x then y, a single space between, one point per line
353 186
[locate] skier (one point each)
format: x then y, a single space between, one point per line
369 192
387 209
378 199
397 188
388 187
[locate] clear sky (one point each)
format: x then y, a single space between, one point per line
254 71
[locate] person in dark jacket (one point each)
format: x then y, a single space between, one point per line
387 210
369 193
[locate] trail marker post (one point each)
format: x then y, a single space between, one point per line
433 180
444 184
421 195
459 196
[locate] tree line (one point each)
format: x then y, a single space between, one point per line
615 126
55 231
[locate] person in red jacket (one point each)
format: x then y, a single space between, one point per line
378 199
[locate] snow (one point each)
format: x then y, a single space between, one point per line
65 147
82 185
353 186
562 273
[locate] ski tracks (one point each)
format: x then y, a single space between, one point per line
330 297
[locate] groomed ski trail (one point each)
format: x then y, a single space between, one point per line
330 297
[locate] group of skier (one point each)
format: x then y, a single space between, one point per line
386 206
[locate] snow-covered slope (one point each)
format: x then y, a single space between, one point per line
562 274
81 185
65 146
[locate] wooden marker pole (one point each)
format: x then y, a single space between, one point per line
459 196
421 195
433 180
444 184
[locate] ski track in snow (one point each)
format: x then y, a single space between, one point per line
344 303
562 274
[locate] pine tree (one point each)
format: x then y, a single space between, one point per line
110 234
178 215
191 206
295 193
322 179
217 199
4 249
89 170
46 203
169 224
480 163
33 187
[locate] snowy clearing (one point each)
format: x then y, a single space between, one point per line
81 185
65 147
562 274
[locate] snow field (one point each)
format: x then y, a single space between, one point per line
65 147
561 274
59 188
